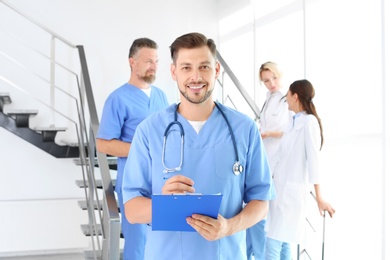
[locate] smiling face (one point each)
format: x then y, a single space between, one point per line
293 102
195 72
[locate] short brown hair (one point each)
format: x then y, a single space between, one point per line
192 41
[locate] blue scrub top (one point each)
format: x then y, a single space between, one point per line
124 109
208 160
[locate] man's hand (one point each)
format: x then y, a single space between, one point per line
178 184
209 228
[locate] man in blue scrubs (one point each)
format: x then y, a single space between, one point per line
123 110
207 165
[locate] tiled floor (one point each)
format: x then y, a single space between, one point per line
47 257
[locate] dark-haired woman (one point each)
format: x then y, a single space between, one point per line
295 171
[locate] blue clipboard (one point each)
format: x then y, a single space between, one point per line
169 212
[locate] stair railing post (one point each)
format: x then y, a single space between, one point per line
52 77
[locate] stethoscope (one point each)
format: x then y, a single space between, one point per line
237 167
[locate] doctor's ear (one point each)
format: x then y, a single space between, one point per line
217 69
173 70
131 62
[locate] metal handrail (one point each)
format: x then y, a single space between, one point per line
239 86
111 223
54 36
109 217
39 52
304 251
43 27
39 100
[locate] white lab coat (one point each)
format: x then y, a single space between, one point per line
275 116
296 168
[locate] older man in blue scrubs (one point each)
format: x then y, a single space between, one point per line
123 110
206 167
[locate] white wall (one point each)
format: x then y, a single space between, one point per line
33 181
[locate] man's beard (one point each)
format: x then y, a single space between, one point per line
197 101
149 78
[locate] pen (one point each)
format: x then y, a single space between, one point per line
187 193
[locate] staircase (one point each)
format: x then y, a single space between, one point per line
17 122
103 226
95 231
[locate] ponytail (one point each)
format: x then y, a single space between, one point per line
305 91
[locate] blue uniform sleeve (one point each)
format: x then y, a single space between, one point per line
112 119
136 176
258 182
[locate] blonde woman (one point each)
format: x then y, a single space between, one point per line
274 118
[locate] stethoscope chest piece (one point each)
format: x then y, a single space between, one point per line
237 168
